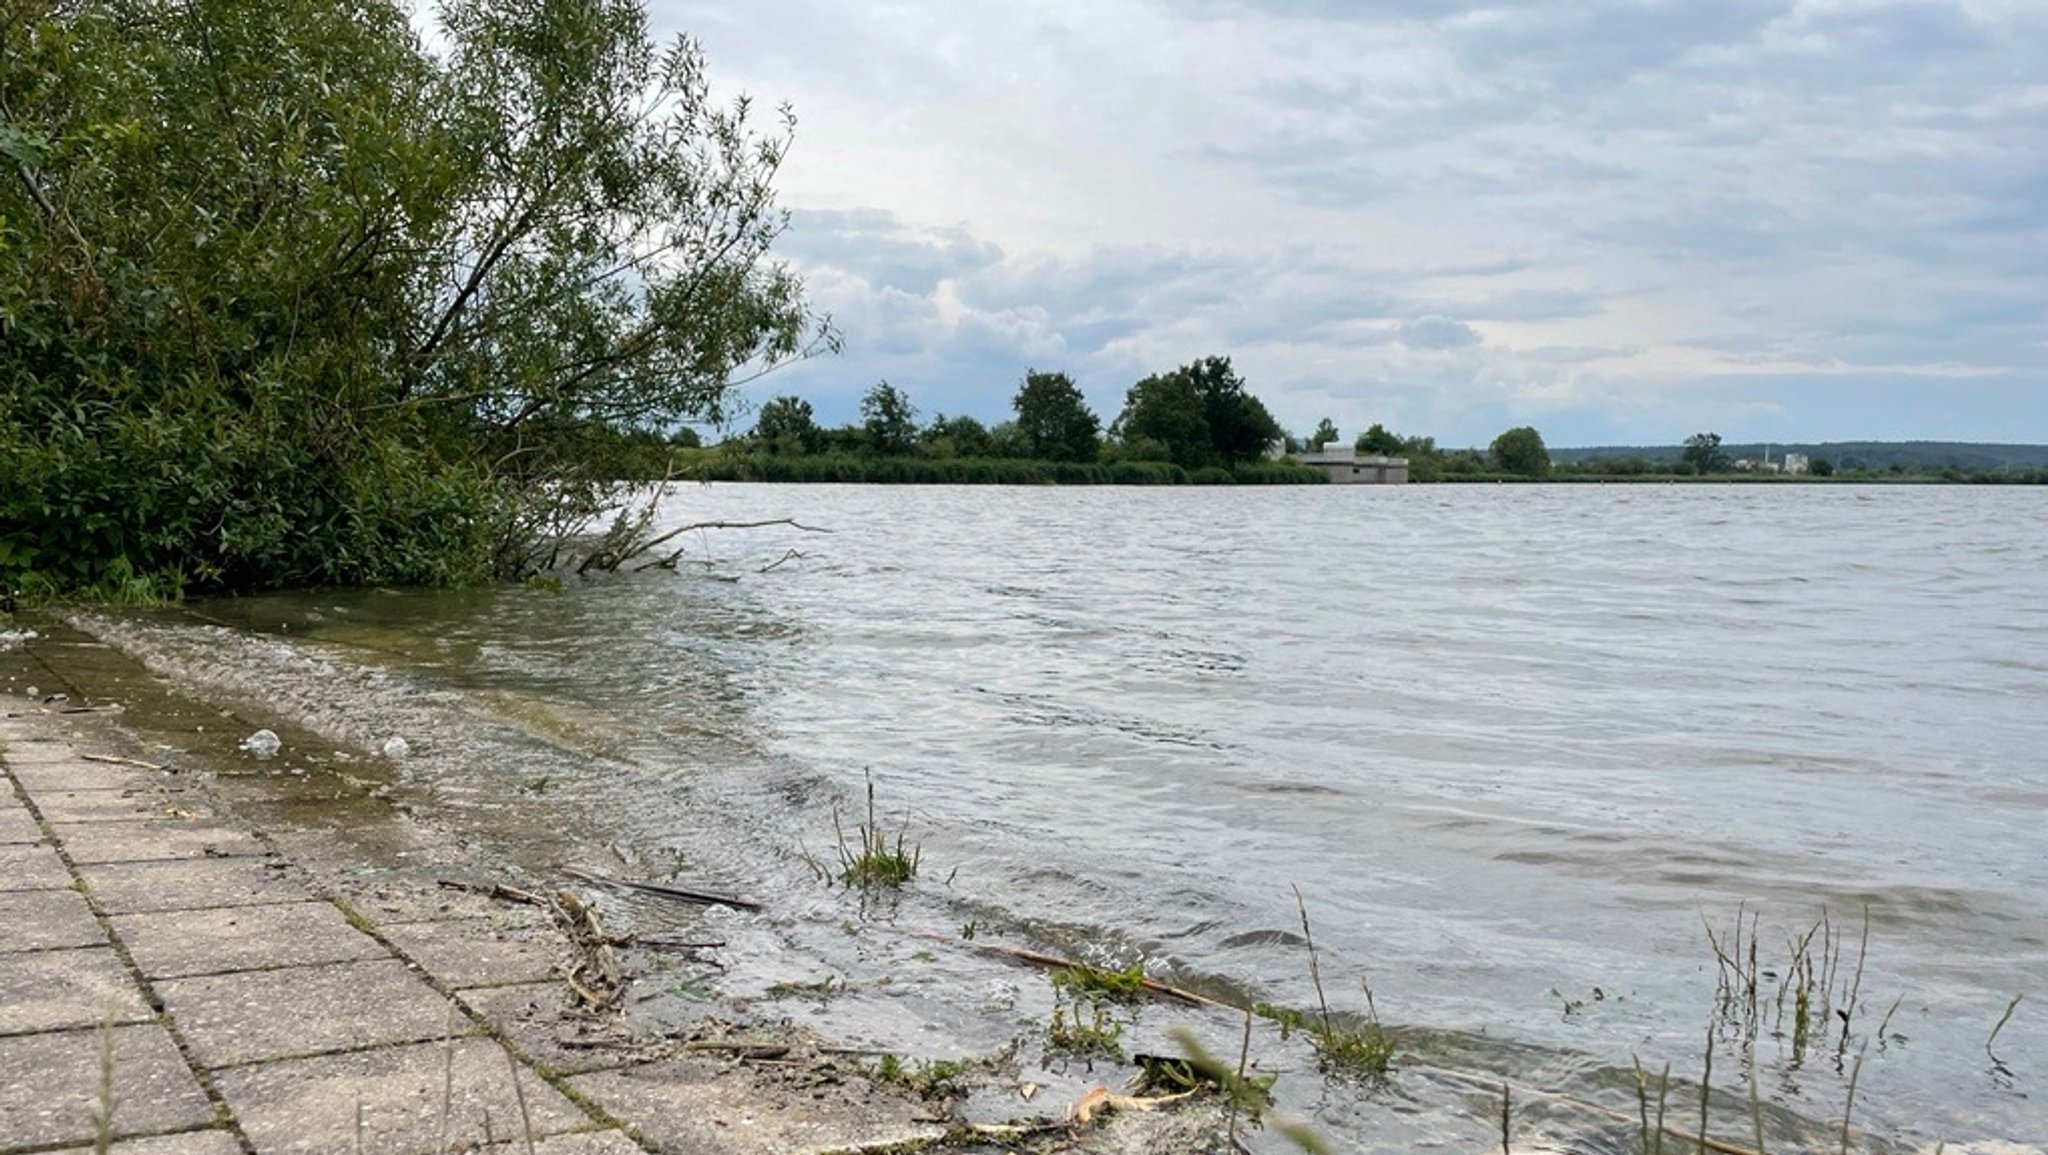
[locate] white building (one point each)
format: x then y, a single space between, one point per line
1347 466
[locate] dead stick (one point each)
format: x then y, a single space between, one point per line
1054 962
702 897
118 761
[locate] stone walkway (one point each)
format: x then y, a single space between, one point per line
166 976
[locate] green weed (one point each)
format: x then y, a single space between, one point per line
1084 981
1099 1036
872 859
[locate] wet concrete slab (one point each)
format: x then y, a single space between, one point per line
309 1105
253 1016
398 904
137 887
154 839
182 944
68 774
37 751
189 1143
50 1084
32 867
56 990
478 952
123 805
541 1020
46 920
708 1108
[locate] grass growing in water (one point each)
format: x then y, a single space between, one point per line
1367 1049
933 1079
1099 1036
1084 981
873 860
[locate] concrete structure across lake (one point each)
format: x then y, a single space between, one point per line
1347 466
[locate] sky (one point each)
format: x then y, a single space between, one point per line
1620 221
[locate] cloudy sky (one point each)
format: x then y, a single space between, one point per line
1617 220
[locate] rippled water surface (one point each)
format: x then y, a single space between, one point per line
1515 745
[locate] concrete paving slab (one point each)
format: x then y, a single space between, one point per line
189 1143
32 868
49 1086
257 1015
17 826
477 952
136 887
55 990
46 920
706 1109
153 839
539 1019
585 1143
181 944
38 751
70 774
309 1105
395 904
128 805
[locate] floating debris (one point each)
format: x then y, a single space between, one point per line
264 744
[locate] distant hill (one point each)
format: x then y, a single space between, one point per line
1969 455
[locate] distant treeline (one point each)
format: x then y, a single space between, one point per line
715 465
1846 456
1195 425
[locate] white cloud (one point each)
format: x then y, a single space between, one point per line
1627 216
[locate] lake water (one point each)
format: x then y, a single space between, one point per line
1516 746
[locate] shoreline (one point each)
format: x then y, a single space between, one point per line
268 979
387 864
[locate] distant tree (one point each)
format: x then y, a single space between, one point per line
1378 441
961 436
1326 432
1240 427
1005 441
1703 453
1166 411
1821 467
1054 420
1520 450
889 419
786 424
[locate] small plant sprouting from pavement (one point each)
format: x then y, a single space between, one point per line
872 859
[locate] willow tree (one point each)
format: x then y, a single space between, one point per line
289 296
